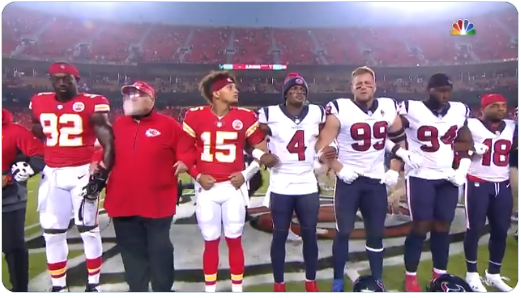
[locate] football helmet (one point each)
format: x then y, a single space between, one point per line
448 283
367 283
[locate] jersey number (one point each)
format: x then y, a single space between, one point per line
364 134
430 134
227 152
497 154
296 145
68 136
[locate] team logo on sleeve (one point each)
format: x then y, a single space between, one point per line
78 107
237 124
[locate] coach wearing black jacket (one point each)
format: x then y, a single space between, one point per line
142 188
22 157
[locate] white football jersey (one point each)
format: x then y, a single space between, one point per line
362 135
492 166
432 136
293 140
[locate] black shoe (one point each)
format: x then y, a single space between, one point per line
59 289
92 288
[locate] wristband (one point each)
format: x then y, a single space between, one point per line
257 154
251 170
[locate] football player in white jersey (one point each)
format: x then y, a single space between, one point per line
488 191
361 128
432 127
293 129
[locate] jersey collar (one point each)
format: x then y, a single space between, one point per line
494 129
295 118
368 110
437 112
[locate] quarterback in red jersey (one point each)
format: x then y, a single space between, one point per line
220 132
69 123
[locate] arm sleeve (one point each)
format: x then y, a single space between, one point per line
253 133
28 143
188 123
101 104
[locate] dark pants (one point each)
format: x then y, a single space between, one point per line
14 249
147 252
432 199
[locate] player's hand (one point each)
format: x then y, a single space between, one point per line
347 175
21 171
269 160
390 178
96 184
94 167
206 181
180 167
7 180
456 178
480 149
327 154
409 158
237 179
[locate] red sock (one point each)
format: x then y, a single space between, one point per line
94 270
211 261
236 259
58 272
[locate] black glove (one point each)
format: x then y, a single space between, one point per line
97 182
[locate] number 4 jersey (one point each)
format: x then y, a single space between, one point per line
293 140
432 136
362 135
493 166
70 137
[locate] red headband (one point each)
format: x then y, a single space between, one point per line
489 99
221 83
64 68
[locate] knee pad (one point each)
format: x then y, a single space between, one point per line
54 238
210 232
233 230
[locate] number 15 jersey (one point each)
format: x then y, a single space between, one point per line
432 136
293 140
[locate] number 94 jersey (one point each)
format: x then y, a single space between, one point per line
362 135
493 166
70 137
293 140
431 135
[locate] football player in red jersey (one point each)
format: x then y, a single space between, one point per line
69 122
220 131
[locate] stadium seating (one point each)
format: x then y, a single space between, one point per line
46 36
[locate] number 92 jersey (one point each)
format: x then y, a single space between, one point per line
293 140
70 137
432 136
362 135
493 166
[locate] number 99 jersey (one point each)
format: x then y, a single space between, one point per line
70 137
493 166
293 140
362 135
431 135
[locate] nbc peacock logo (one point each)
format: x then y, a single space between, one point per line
463 27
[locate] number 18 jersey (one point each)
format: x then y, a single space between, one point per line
432 136
293 140
70 137
362 135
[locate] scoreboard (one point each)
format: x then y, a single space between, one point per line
243 66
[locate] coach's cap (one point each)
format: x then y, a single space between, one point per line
65 68
439 80
141 86
488 99
293 79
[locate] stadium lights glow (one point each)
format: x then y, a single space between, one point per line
412 6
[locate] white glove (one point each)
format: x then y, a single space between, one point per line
459 176
347 175
390 179
21 171
411 159
480 149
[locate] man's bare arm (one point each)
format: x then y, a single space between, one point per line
463 142
105 135
328 133
397 135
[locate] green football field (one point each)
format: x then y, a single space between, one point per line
393 275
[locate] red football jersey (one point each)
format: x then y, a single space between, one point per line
70 136
220 141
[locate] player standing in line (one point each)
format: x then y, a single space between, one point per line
293 129
70 122
220 132
432 127
514 174
361 127
488 191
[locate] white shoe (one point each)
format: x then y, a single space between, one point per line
497 281
292 237
474 282
210 289
236 288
